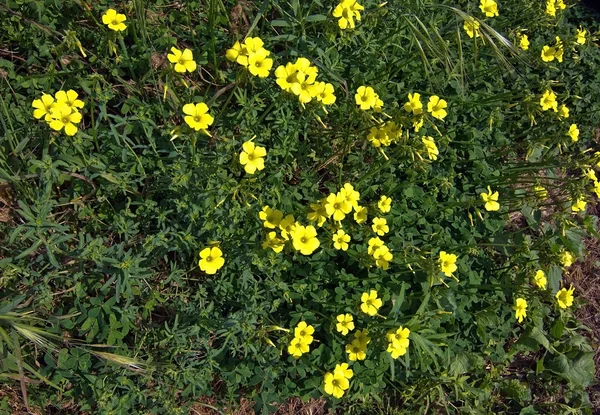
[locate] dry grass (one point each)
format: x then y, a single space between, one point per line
293 406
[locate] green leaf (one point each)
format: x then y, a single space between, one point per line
578 370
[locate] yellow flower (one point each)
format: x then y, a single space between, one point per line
382 257
520 308
271 218
548 53
236 51
340 240
304 332
365 97
69 99
432 150
44 107
524 42
325 93
417 124
114 20
561 4
345 323
252 157
578 205
489 8
380 226
298 347
591 174
560 50
335 384
471 26
398 342
447 263
346 11
565 297
287 225
374 244
319 213
287 76
306 89
251 46
597 188
184 61
197 116
563 111
360 214
356 351
305 239
273 242
362 336
573 132
379 137
540 192
581 36
384 204
551 7
337 206
566 259
352 196
259 64
65 117
370 303
211 260
491 200
344 370
540 279
414 104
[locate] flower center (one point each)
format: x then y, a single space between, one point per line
303 239
181 61
209 259
115 21
197 118
65 120
335 382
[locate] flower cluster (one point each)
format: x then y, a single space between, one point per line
304 238
60 111
379 251
303 337
436 106
398 342
252 55
564 298
346 11
338 382
384 135
300 79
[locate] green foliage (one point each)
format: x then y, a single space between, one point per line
99 256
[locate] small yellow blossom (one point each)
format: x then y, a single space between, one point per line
183 60
491 200
114 20
581 36
380 226
211 260
335 384
447 263
432 150
436 106
540 192
370 303
565 297
356 351
325 93
360 214
563 111
573 132
374 244
345 323
471 26
337 206
286 226
365 97
68 98
398 342
352 196
414 104
305 239
252 157
578 205
520 308
340 240
44 107
197 116
524 42
383 257
64 117
344 370
566 259
298 347
540 279
384 204
287 76
271 218
362 336
319 213
273 242
259 64
489 8
346 11
304 332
